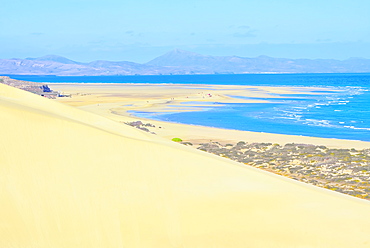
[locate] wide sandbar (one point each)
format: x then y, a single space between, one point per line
114 100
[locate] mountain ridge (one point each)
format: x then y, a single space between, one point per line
180 62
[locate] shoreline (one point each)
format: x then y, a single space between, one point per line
306 159
115 100
75 178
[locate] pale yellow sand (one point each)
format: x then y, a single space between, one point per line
69 178
114 100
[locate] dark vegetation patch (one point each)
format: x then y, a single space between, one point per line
142 126
342 170
33 87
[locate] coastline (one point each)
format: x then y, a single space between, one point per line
113 101
73 178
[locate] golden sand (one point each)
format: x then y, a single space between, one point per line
70 178
114 100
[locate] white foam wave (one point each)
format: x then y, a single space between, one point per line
358 128
321 123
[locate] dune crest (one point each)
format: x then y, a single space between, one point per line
69 178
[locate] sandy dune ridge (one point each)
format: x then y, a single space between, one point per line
69 178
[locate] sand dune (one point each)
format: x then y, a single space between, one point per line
69 178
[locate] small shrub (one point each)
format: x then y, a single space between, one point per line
241 143
177 139
187 143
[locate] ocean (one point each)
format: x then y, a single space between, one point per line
342 112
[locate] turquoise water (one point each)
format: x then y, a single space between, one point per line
341 111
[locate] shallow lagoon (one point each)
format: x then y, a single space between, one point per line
341 111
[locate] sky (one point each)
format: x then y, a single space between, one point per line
140 30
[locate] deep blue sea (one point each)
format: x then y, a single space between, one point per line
343 111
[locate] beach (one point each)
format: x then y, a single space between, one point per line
114 101
335 164
73 174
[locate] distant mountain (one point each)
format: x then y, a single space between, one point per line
114 64
183 58
263 64
179 62
55 65
54 58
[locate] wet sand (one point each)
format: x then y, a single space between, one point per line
115 100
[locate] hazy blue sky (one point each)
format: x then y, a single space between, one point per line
139 30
